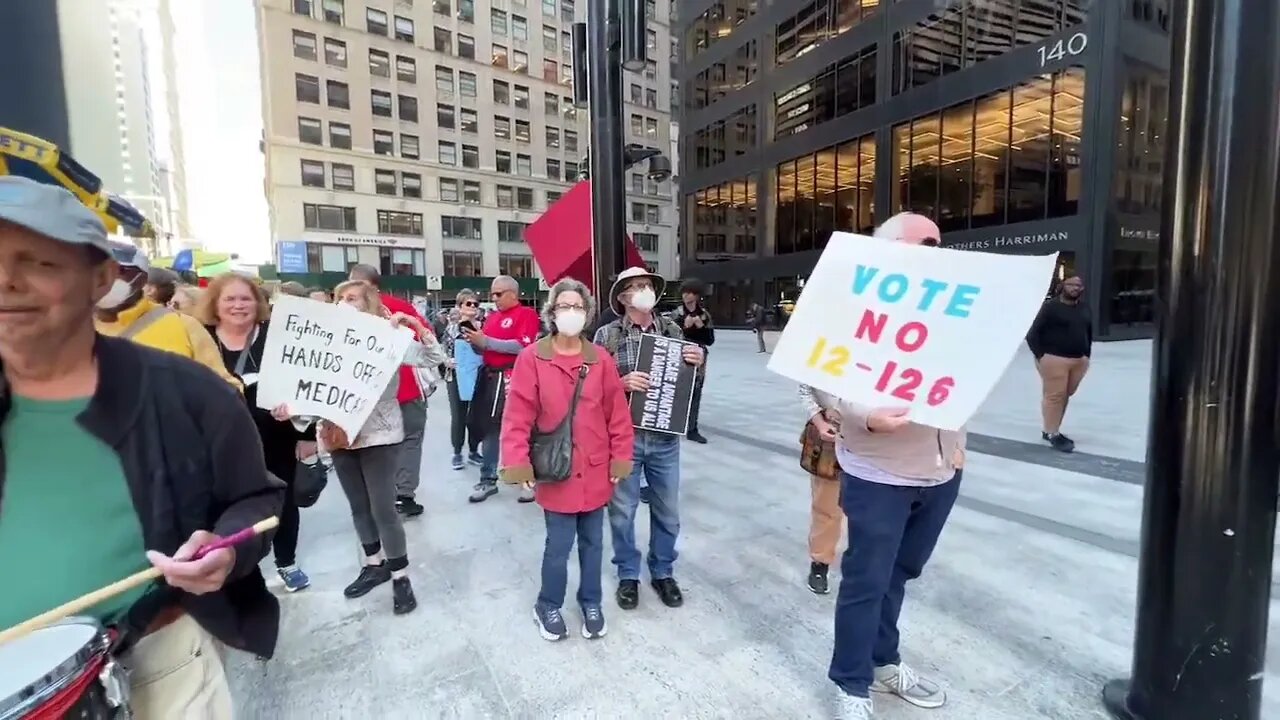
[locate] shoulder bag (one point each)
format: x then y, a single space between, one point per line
551 454
309 481
817 454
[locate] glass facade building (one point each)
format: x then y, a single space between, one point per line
1020 126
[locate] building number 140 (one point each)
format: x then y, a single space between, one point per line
901 383
1061 49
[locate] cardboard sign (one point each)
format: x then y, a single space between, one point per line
664 407
887 324
328 361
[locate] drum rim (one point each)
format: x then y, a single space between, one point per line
60 676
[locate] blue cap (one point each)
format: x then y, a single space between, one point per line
129 255
51 211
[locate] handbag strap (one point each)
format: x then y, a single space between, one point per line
243 358
577 394
147 320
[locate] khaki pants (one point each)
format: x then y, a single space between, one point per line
176 672
1060 378
827 520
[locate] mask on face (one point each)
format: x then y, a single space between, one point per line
120 291
643 299
570 322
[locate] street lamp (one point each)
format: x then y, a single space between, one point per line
634 154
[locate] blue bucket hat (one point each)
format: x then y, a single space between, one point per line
51 211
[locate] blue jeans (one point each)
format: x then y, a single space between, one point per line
489 453
892 533
562 529
657 460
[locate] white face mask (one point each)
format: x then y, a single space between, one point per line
570 322
120 291
643 299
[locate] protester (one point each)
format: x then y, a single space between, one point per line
464 365
544 392
656 456
125 312
367 464
1061 339
695 322
506 331
826 517
235 310
413 406
112 455
185 299
756 318
161 285
899 481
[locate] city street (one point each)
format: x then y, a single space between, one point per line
1025 610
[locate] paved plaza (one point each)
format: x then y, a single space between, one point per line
1025 610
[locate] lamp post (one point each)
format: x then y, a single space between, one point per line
1209 510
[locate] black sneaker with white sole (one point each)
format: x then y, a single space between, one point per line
593 626
403 600
550 623
818 578
1060 442
408 507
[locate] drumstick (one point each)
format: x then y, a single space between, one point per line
88 600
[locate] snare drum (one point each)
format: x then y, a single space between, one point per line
62 671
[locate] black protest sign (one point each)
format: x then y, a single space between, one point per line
665 406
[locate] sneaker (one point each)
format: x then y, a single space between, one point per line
294 579
669 590
526 495
370 577
1062 443
483 490
457 461
818 578
475 458
403 601
852 707
628 594
902 681
407 507
644 494
550 623
695 436
593 627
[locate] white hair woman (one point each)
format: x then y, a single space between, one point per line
562 378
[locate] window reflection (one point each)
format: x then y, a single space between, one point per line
832 189
726 138
817 22
722 78
1144 114
715 24
842 88
724 220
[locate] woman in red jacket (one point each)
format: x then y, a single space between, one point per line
540 395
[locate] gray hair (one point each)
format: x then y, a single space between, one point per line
568 285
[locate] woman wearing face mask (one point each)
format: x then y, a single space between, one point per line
366 464
463 365
544 382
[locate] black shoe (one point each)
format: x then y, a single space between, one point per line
669 591
818 578
402 600
644 494
408 507
697 437
370 577
628 594
1062 443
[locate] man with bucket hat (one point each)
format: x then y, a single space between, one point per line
657 455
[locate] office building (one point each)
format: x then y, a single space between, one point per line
423 137
1020 126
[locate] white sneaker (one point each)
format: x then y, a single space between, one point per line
902 681
852 707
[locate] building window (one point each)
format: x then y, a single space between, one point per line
471 192
448 189
469 121
380 100
460 228
719 21
309 131
463 264
524 198
384 142
307 88
384 182
408 108
304 45
519 28
646 242
523 131
637 183
344 177
570 112
467 83
467 11
328 217
733 136
406 69
448 153
375 21
506 196
411 185
442 40
331 258
566 46
340 135
651 128
393 222
551 104
734 73
404 29
502 161
517 266
520 62
303 7
408 146
571 140
524 165
338 93
550 71
842 88
571 171
501 92
553 137
333 11
402 261
521 97
335 52
550 39
379 63
470 157
502 127
498 22
553 169
466 47
566 10
637 125
312 173
832 189
549 8
510 231
444 80
445 117
1140 159
553 197
721 219
441 7
499 56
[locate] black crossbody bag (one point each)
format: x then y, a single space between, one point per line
551 454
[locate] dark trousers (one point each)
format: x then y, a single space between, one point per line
460 418
282 463
892 533
562 529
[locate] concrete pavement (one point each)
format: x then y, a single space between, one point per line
1025 610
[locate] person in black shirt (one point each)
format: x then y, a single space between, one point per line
1061 339
695 321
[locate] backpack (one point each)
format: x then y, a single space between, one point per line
613 333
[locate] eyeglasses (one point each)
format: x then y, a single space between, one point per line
470 303
566 306
499 293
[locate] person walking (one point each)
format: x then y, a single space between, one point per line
464 364
563 378
757 321
1061 339
656 456
695 322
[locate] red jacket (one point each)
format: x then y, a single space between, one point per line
603 440
409 389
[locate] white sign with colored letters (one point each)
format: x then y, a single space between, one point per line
887 324
328 361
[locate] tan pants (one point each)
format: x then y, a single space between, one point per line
1060 378
176 672
827 520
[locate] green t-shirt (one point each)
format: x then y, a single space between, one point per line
67 523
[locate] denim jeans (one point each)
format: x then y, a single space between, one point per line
562 529
657 460
892 533
489 452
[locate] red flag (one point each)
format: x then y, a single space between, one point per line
560 240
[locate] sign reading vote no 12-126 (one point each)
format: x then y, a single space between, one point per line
887 324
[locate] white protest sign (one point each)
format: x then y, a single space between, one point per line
888 324
328 361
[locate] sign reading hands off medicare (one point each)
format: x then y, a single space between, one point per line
887 324
328 361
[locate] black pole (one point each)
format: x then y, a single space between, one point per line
1204 580
608 193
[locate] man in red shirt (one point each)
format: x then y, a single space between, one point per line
413 406
506 332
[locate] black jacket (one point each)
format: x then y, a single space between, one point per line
1061 329
193 461
705 335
